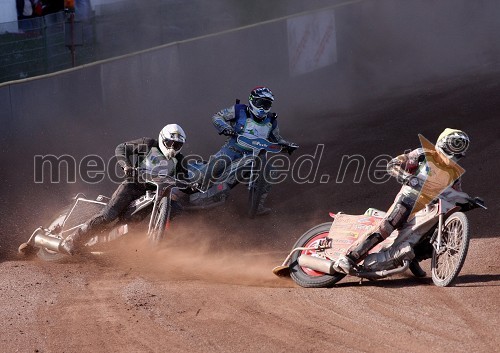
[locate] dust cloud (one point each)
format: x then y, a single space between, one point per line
184 257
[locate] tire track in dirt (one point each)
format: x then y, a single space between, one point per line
461 304
109 310
484 339
96 306
373 314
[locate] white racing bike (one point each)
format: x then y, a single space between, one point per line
154 206
439 231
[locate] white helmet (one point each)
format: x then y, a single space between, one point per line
453 143
171 140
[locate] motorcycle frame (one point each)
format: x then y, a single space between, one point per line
41 238
161 190
257 150
247 160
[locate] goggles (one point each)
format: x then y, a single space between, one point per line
455 145
176 145
263 103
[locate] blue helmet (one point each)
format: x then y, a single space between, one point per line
260 101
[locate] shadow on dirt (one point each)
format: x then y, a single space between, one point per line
388 282
476 280
462 281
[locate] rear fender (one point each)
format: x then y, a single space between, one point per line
347 230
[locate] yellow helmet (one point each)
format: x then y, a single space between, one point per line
453 143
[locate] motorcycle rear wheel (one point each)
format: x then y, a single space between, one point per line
304 276
447 264
160 222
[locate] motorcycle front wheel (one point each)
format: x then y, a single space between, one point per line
446 264
258 185
303 276
160 222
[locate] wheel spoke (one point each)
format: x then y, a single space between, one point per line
447 263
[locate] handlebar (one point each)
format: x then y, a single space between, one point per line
147 175
262 144
472 203
182 184
477 202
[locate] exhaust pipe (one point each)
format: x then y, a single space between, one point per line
385 273
317 264
44 241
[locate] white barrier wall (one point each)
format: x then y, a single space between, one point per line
8 13
312 42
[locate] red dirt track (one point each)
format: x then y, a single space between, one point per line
211 289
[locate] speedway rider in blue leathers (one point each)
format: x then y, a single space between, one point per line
253 119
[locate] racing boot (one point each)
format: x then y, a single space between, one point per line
261 209
416 269
346 263
75 243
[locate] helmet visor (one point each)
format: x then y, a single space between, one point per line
263 103
176 145
455 145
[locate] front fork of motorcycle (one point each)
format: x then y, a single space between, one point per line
252 167
437 242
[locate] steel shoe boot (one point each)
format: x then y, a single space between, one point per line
262 211
344 265
74 243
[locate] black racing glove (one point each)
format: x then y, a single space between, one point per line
229 131
129 172
181 184
290 147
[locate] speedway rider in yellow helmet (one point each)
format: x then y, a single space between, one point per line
412 170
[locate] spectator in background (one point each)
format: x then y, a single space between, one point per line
52 6
29 8
24 9
25 14
37 7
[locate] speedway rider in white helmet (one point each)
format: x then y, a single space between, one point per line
411 169
254 119
129 155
